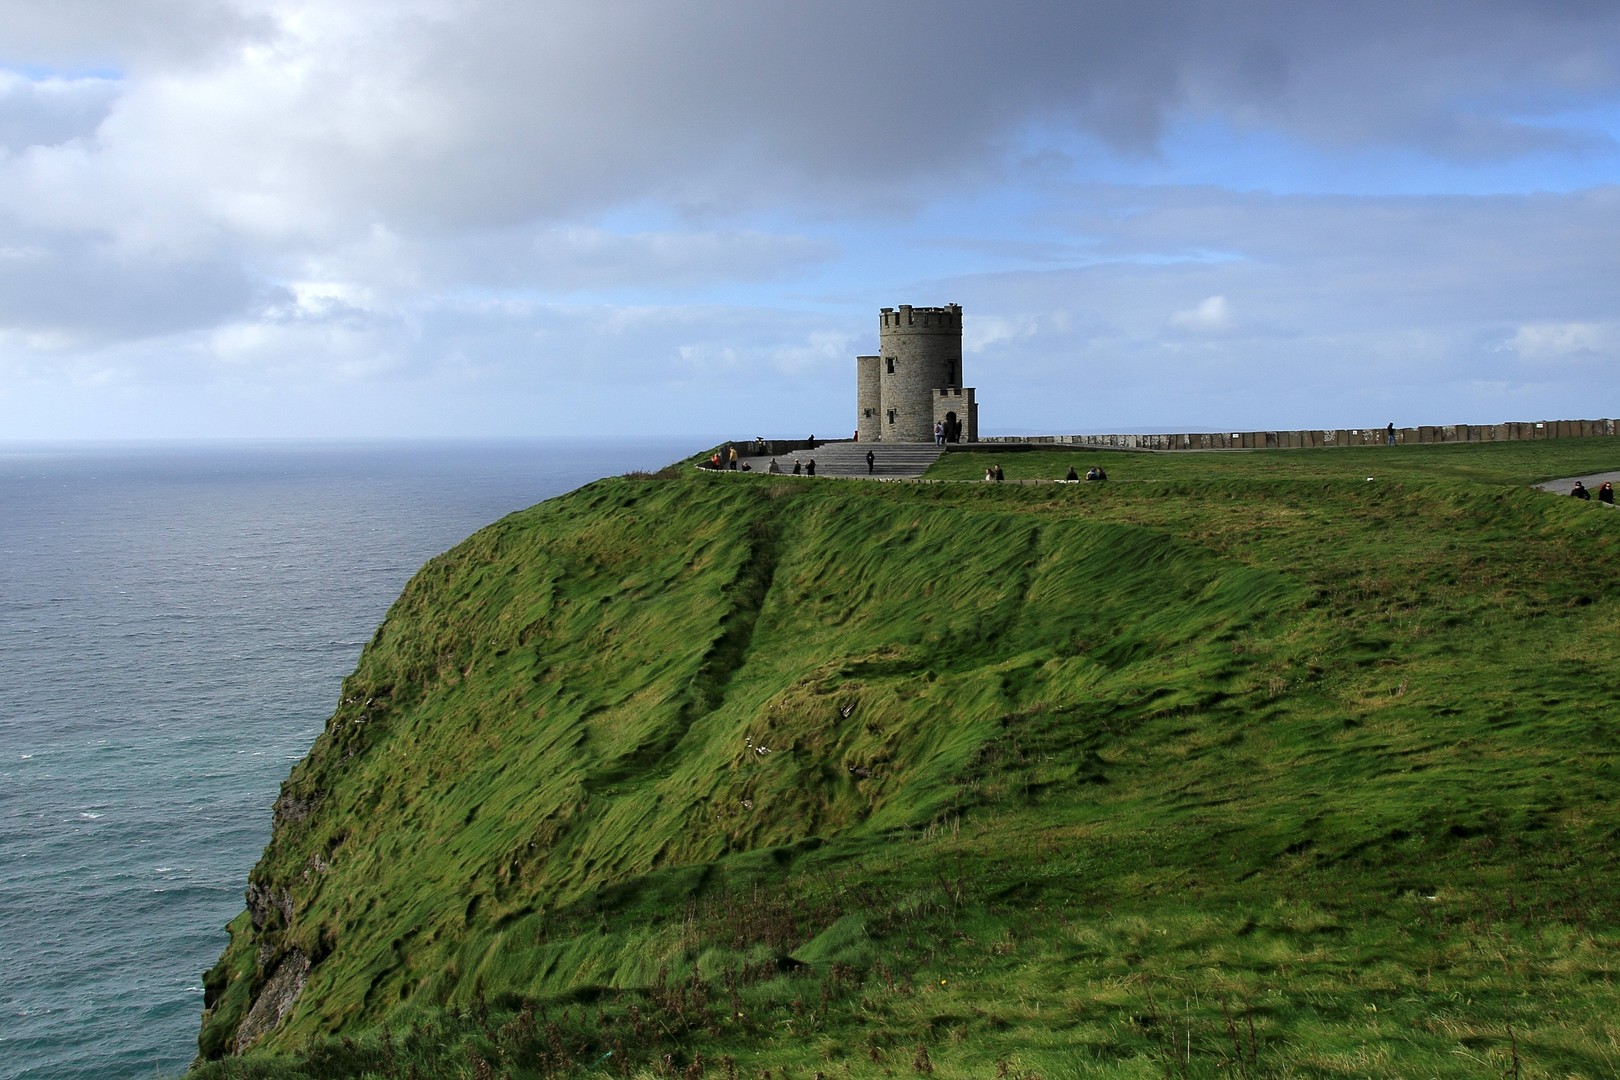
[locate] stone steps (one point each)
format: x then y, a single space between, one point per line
845 457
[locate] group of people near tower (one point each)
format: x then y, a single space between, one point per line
994 472
727 460
800 468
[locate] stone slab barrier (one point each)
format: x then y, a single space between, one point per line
1273 440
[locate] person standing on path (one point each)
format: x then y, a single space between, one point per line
732 457
1579 491
1389 434
871 460
1606 493
939 433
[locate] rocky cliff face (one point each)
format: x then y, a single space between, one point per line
280 969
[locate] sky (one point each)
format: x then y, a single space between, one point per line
447 218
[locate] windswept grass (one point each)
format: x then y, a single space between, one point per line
1234 765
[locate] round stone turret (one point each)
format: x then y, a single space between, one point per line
869 398
921 353
915 381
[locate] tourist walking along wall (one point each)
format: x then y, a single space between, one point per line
916 380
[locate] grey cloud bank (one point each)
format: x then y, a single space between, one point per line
423 217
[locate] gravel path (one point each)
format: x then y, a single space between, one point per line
1592 482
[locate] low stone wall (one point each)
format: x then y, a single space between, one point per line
776 447
1266 440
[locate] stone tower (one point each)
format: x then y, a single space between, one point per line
916 380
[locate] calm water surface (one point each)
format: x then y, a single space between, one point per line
175 622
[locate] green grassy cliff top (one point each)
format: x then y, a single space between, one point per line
1294 763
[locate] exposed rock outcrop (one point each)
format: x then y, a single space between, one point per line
269 906
275 999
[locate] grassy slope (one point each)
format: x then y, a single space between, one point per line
1238 764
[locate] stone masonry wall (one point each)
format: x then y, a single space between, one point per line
1261 440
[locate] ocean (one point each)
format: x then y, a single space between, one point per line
175 622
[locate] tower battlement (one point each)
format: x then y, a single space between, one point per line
945 318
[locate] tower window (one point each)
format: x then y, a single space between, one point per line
889 360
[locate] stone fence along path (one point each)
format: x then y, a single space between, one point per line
1372 436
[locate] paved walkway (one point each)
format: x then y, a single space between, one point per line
845 457
1592 481
907 461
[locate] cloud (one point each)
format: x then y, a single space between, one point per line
1209 316
580 259
76 36
73 293
296 117
51 111
688 201
1559 341
1352 306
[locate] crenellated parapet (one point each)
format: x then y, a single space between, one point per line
939 320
